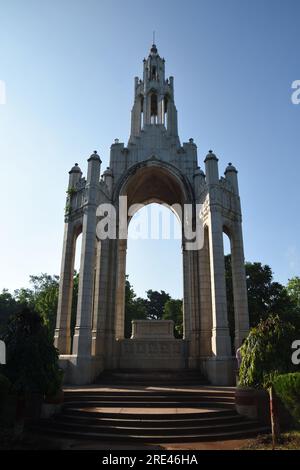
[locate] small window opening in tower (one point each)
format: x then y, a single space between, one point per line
142 111
153 108
153 73
165 117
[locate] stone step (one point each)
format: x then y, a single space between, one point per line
160 415
144 421
167 403
185 429
148 398
164 415
156 438
152 376
69 394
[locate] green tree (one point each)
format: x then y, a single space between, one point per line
267 352
155 303
173 311
24 297
135 308
293 290
8 306
32 360
264 295
45 298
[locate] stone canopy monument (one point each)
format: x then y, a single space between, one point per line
153 167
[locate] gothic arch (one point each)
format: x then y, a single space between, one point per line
153 166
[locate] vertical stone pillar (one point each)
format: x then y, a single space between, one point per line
186 295
172 119
160 109
240 296
136 115
241 313
100 303
147 111
192 315
205 299
221 345
120 291
219 368
62 335
83 330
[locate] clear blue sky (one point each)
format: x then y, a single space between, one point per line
69 67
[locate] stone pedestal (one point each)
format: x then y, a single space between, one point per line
219 370
80 370
152 329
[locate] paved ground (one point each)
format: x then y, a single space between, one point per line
138 388
216 445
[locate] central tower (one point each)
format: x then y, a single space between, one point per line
153 167
154 98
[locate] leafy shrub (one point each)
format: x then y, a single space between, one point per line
32 359
267 352
287 387
4 389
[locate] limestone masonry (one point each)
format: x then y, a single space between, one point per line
153 167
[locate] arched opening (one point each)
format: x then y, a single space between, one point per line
149 183
154 285
153 75
165 113
153 108
142 111
77 259
229 286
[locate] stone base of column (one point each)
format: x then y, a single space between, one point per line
220 370
239 336
62 341
80 370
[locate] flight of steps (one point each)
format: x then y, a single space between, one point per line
151 377
150 415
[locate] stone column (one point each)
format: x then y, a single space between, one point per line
221 345
186 296
62 335
120 292
160 109
220 332
136 117
192 315
83 330
205 298
241 314
101 300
